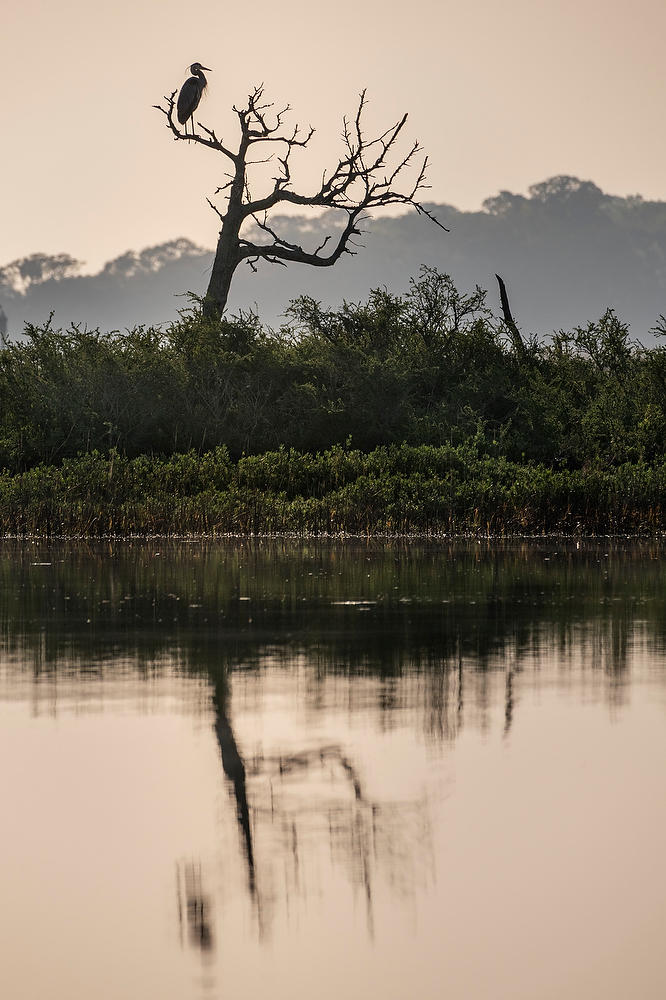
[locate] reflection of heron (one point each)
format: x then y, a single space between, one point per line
190 94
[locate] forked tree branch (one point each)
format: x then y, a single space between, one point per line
209 138
283 252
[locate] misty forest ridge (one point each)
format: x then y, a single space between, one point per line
567 250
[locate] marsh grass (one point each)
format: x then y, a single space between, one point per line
395 490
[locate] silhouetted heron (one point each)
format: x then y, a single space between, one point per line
190 94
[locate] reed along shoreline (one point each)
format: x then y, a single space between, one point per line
396 489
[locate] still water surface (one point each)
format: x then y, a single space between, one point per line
355 770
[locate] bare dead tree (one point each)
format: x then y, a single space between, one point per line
368 175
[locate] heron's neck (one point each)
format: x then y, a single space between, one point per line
204 81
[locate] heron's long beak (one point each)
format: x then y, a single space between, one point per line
207 68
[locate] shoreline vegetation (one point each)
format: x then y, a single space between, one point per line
414 414
397 490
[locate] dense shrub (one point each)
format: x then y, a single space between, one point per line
429 367
396 489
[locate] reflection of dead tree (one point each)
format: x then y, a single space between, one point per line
362 832
193 905
443 700
234 769
288 801
508 701
461 696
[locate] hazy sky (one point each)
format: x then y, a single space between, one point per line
501 95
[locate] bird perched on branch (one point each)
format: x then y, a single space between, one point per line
190 94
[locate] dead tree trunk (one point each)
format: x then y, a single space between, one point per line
516 339
227 257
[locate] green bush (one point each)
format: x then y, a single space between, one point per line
399 489
228 426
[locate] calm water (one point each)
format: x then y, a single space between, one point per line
302 770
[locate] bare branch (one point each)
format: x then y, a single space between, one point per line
225 186
281 251
215 209
354 180
212 142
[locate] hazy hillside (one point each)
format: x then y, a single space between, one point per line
566 251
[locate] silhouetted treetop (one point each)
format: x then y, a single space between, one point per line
20 274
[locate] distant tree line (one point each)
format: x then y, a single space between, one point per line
566 249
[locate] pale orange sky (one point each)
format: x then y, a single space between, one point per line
501 95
